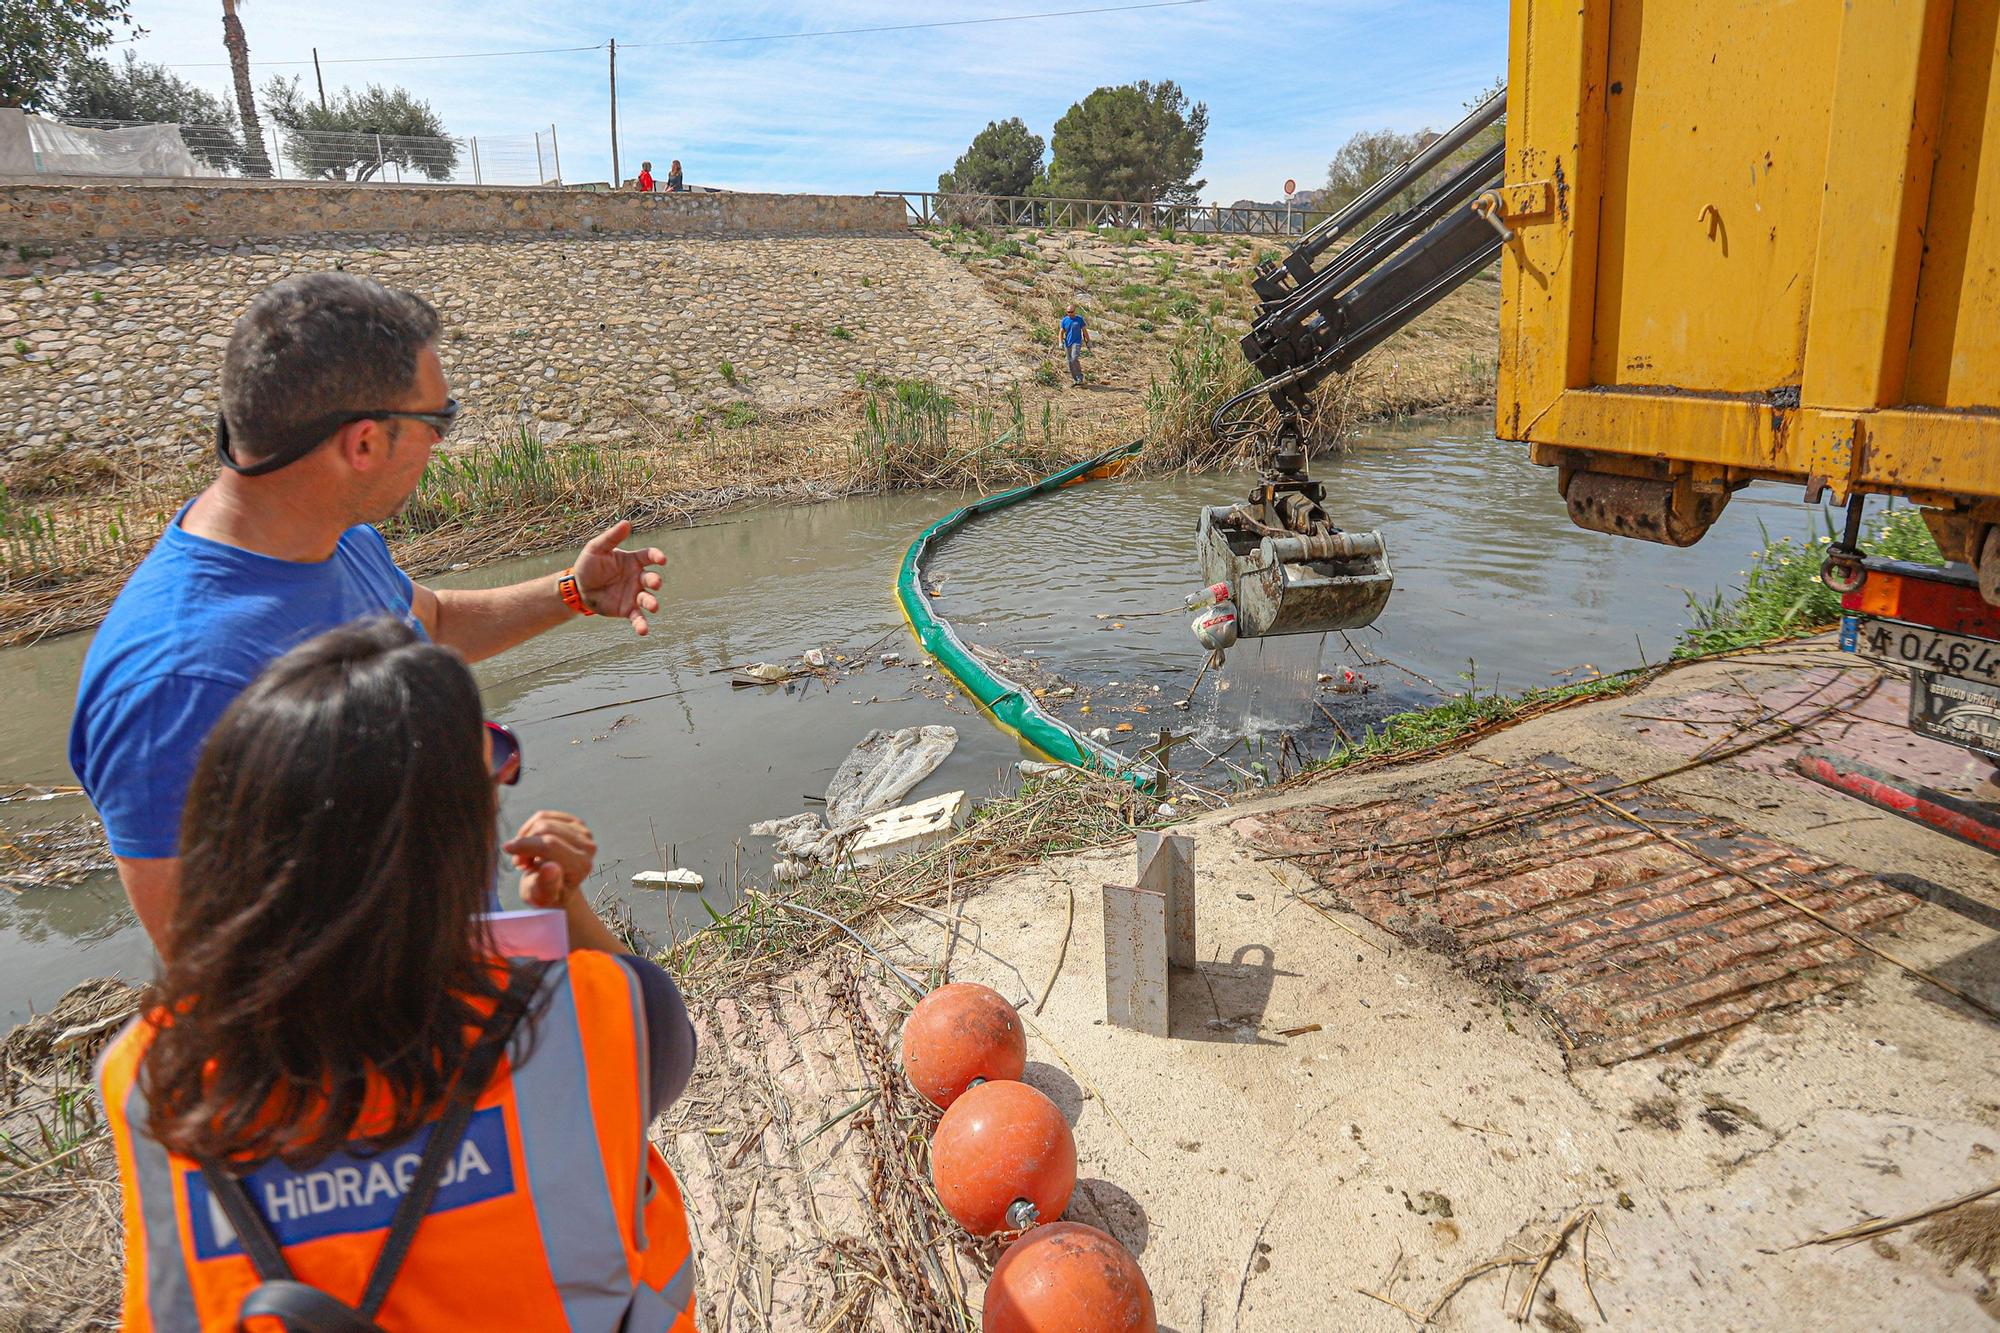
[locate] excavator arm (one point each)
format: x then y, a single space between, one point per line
1321 307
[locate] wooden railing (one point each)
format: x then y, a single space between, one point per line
930 208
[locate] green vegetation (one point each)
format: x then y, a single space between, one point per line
50 42
20 347
343 135
1003 158
1047 375
727 370
1139 141
842 332
521 477
42 550
1782 596
913 434
1204 368
55 1131
738 415
1468 714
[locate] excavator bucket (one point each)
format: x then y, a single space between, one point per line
1286 583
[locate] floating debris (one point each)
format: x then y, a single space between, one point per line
54 856
687 881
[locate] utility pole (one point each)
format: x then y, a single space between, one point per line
318 80
616 178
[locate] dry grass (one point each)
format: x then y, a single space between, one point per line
61 1232
761 938
1969 1235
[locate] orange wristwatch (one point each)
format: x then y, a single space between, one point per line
572 596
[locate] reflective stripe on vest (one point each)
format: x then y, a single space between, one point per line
168 1292
562 1137
580 1232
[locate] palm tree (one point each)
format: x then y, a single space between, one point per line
255 162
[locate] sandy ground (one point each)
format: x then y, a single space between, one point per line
1429 1123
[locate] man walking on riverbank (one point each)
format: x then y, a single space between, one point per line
332 400
1075 337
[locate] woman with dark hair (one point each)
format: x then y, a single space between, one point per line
343 1109
674 183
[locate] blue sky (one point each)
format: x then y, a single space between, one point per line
1286 81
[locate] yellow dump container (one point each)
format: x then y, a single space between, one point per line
1755 241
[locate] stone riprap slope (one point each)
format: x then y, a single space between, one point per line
123 348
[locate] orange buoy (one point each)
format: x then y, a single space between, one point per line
1003 1159
958 1035
1070 1277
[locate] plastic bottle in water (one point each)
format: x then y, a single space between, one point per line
1203 598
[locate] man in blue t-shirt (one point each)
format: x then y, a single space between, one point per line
1075 337
332 400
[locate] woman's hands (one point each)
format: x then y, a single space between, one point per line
554 853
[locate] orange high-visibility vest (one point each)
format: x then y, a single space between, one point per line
557 1212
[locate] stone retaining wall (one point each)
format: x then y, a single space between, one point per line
120 345
73 215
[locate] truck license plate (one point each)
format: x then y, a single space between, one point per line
1962 712
1930 650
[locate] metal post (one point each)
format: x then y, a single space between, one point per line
475 161
317 79
380 160
277 155
541 177
555 150
617 178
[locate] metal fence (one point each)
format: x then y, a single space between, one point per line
930 208
308 155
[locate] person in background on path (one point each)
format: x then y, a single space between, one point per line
674 183
646 178
336 1019
332 400
1075 337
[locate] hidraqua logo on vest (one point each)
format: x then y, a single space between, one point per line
346 1194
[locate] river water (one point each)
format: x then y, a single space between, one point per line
672 762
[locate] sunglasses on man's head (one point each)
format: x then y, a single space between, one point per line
505 765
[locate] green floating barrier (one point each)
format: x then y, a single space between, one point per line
1012 707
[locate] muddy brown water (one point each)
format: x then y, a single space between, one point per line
1492 580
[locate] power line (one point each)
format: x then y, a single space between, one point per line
392 60
708 41
911 27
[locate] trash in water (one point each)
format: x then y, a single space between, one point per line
876 774
882 769
683 879
890 659
815 658
1039 768
761 673
802 837
908 828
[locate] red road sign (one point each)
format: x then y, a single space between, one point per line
1291 188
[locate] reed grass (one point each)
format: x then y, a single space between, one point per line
914 435
1781 596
